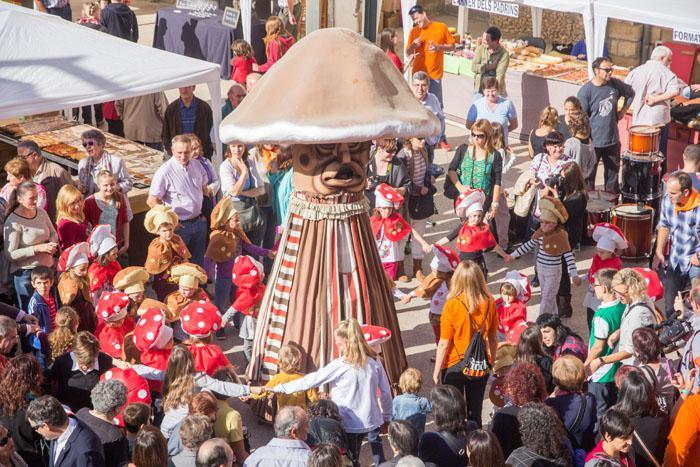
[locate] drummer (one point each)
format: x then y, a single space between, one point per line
654 86
679 223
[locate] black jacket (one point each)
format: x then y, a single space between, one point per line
72 387
83 449
120 21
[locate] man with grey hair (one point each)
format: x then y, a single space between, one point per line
71 442
654 86
194 431
214 452
108 397
48 174
420 87
288 447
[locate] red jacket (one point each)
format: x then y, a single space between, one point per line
276 50
241 67
92 216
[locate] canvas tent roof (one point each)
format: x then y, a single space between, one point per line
49 64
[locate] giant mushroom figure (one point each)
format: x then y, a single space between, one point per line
346 93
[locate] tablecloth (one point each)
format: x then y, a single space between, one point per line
202 38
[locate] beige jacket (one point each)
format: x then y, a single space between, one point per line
143 117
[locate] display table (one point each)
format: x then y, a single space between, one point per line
207 39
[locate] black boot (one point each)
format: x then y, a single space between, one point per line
564 305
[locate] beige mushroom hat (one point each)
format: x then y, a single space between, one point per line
345 89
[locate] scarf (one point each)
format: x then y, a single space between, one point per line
691 203
395 227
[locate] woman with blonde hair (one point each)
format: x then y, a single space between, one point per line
277 43
470 308
71 225
631 289
479 165
352 377
549 120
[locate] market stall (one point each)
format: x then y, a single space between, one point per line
48 64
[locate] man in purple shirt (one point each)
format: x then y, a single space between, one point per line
182 185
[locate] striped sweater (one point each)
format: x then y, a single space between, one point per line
544 258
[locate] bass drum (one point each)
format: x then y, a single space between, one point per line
637 224
641 176
599 205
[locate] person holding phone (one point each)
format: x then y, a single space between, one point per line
690 355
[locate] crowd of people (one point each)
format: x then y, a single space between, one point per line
108 363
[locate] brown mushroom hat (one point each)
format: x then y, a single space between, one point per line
344 89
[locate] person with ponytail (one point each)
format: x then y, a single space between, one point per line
549 120
30 239
62 337
354 378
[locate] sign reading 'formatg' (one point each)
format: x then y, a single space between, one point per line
491 6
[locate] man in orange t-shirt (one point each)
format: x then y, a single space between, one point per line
428 41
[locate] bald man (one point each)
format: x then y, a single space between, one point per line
234 97
214 452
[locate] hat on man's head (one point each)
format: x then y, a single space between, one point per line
361 97
416 9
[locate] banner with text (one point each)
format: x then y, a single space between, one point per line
491 6
692 37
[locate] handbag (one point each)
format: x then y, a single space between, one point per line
450 189
249 212
579 454
649 455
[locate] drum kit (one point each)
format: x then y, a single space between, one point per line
641 190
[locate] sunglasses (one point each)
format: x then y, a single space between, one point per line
606 70
621 294
25 156
88 144
478 135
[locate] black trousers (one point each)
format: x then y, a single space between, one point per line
611 165
473 390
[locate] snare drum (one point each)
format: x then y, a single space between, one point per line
636 223
644 140
599 205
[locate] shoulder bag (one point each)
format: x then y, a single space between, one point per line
647 453
476 362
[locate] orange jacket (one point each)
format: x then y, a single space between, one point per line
683 449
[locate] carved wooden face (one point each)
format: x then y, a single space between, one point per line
330 168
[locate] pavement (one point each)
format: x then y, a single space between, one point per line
413 318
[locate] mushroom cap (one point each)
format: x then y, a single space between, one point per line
348 91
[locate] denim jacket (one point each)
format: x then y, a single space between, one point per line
412 408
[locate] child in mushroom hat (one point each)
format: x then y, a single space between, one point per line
188 277
114 322
552 241
199 320
136 386
132 281
511 305
390 228
474 237
226 242
104 252
74 285
154 339
609 240
166 250
434 286
247 275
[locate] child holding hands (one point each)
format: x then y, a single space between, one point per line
165 251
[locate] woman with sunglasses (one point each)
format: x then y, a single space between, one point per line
631 289
94 143
478 165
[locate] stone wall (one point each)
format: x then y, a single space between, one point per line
556 26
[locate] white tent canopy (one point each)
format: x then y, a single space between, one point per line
49 64
678 14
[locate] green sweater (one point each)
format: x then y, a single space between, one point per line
611 315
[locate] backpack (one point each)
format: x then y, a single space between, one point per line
476 362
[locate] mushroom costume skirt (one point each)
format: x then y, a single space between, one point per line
327 269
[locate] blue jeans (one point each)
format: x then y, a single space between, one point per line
222 285
435 87
23 287
375 443
194 235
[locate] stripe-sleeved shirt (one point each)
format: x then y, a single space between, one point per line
544 258
684 227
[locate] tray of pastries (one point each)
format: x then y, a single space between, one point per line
65 150
40 125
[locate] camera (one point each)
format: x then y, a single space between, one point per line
556 181
673 332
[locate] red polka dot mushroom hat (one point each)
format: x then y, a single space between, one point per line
199 319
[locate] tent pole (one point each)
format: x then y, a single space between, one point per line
215 93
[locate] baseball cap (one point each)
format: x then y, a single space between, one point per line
416 9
